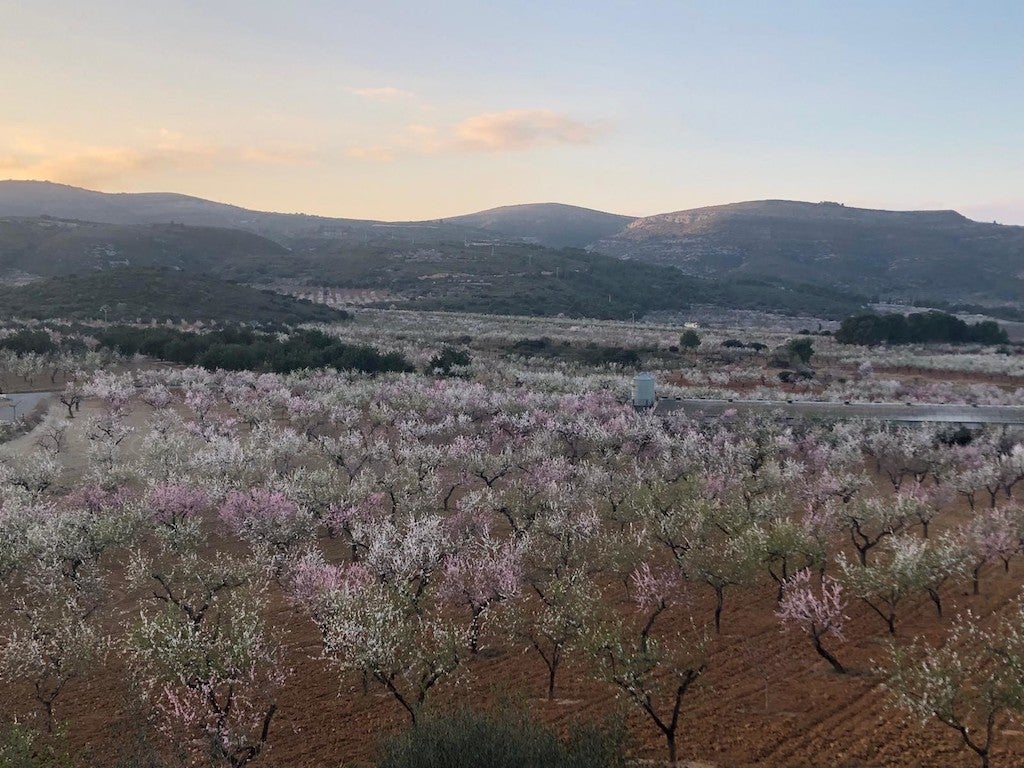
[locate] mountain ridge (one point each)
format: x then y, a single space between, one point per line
17 185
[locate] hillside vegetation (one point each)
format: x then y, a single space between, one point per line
129 294
478 276
532 280
551 224
47 247
39 198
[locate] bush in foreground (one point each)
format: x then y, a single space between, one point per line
501 739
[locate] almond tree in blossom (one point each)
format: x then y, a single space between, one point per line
817 609
724 561
372 628
176 504
271 523
788 547
971 683
532 494
994 534
1011 465
869 520
653 670
56 580
215 680
901 452
483 575
556 618
72 394
932 500
943 559
202 651
49 643
906 564
975 467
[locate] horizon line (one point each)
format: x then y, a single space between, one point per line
504 206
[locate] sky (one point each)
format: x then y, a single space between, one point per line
415 109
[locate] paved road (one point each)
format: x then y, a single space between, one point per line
23 403
901 412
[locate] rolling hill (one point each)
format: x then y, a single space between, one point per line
904 256
43 198
38 198
895 254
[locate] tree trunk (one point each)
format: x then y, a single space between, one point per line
823 652
552 669
719 602
862 555
670 738
474 632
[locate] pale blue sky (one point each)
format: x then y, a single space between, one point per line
424 109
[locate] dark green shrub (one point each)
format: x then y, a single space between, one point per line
690 339
627 358
23 747
802 349
27 340
238 348
917 328
501 739
527 346
446 359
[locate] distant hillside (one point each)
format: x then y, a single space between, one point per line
49 246
551 224
909 255
547 223
129 294
37 198
523 279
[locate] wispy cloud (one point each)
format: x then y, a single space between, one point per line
277 155
384 93
379 153
522 129
74 162
513 130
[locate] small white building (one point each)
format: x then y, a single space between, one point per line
643 391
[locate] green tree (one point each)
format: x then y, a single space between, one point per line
689 339
802 349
